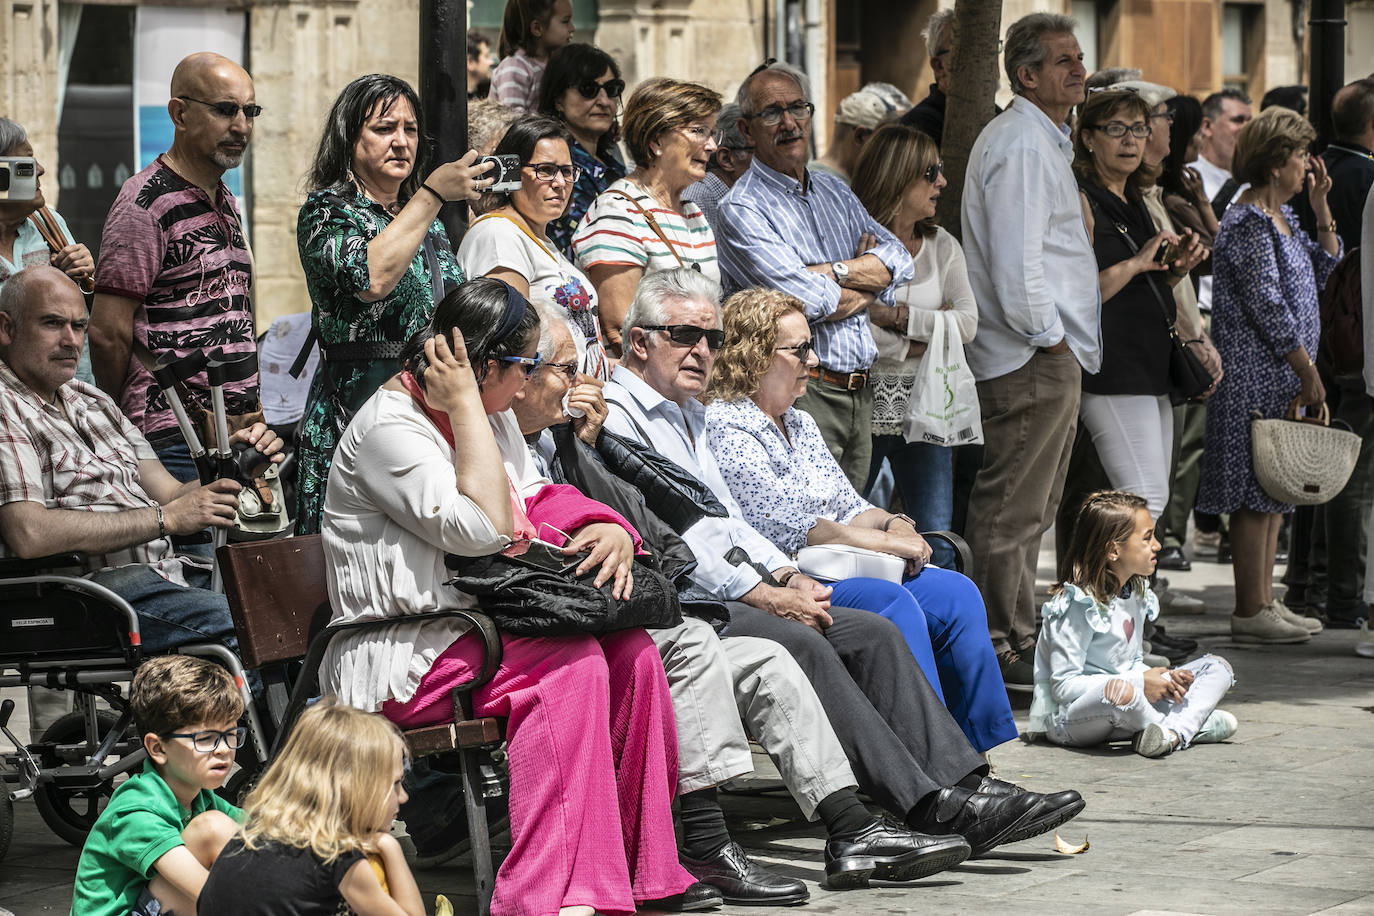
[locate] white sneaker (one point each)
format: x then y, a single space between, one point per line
1311 624
1365 647
1173 602
1219 726
1154 741
1267 627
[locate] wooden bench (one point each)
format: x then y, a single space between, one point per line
280 603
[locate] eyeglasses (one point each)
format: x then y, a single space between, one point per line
569 370
700 134
1166 115
527 363
772 115
548 171
208 741
933 172
589 89
742 150
687 335
1117 130
803 349
228 110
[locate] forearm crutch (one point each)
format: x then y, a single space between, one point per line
219 371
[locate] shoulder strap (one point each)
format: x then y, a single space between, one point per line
643 435
48 228
1223 197
528 234
1134 249
653 223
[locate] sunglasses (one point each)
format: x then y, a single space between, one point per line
588 89
548 171
527 363
207 742
226 109
569 370
803 350
933 172
687 335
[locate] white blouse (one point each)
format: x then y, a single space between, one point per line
392 510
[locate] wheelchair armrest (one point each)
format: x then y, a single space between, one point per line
17 566
963 557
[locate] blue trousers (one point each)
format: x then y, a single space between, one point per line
941 616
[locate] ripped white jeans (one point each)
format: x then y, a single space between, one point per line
1094 717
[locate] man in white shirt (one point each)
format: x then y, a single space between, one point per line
1034 275
1224 113
906 751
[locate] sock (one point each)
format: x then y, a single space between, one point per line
971 782
844 815
703 824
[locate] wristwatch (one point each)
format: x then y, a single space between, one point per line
841 270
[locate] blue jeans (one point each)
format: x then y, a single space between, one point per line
924 475
941 616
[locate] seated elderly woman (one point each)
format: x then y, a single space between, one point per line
791 489
434 464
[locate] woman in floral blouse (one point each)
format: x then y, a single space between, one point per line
369 240
793 492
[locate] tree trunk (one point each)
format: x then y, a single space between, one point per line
971 99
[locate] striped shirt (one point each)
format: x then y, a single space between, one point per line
614 231
80 454
771 228
515 82
183 258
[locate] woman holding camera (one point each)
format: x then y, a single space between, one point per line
375 255
21 241
1126 407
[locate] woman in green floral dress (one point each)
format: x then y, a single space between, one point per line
369 240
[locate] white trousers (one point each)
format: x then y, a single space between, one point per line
1134 438
1093 718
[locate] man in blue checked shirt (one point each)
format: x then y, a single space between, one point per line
806 234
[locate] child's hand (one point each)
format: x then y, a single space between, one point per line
1159 686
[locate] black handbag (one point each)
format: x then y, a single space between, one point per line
525 600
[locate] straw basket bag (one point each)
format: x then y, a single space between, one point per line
1302 460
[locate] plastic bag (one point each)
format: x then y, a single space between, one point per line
943 409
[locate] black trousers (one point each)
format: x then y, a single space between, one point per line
898 736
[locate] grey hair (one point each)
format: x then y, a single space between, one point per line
662 288
938 31
1025 45
12 133
746 102
728 121
20 288
1110 76
550 319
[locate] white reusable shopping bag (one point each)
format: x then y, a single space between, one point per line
943 409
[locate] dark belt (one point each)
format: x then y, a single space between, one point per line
849 381
358 350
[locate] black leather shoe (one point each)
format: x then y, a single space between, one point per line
889 852
697 897
744 882
1173 558
1055 808
985 821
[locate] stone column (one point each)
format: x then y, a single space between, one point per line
28 76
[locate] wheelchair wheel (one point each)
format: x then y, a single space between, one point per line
6 820
70 813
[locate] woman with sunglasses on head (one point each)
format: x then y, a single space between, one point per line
642 223
582 88
898 177
374 254
510 240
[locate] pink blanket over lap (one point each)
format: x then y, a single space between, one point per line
567 509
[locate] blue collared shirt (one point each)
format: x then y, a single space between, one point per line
678 434
770 228
1030 262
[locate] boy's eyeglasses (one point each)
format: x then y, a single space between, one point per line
772 115
588 89
228 110
529 364
208 741
687 335
569 370
803 349
1116 130
548 171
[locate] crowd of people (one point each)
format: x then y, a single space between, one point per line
676 293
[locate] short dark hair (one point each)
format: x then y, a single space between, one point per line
1291 97
573 64
1353 110
475 308
521 138
1211 106
475 41
1094 113
174 692
333 164
1187 112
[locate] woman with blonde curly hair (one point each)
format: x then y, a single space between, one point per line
793 492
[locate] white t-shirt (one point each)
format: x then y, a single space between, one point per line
1213 177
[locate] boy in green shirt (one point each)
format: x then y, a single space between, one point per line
152 847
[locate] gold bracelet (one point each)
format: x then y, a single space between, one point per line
1327 227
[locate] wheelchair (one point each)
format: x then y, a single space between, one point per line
60 631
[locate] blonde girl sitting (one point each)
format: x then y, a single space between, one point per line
1091 685
315 840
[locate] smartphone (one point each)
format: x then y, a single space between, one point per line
542 555
505 169
18 178
1166 253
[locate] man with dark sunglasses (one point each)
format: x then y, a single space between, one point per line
175 272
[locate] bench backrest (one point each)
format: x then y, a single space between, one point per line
277 595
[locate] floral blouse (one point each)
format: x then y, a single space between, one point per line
598 174
782 486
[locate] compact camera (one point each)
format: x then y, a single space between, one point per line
18 178
505 169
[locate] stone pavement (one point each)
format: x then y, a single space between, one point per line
1279 820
